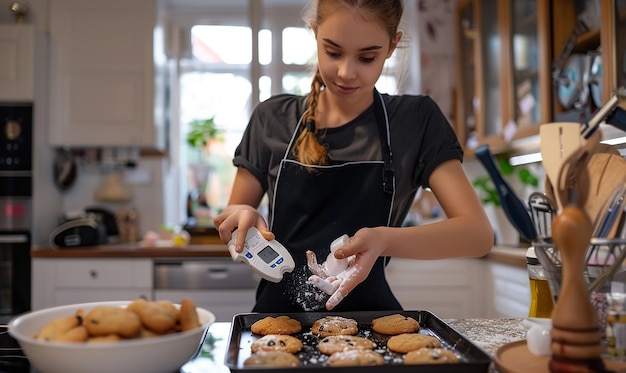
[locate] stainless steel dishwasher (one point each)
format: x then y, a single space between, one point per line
219 285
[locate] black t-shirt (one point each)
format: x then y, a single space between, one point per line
421 139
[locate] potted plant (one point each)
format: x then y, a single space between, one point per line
202 132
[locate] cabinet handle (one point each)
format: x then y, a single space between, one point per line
93 273
218 273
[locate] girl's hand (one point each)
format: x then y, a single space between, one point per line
363 249
240 217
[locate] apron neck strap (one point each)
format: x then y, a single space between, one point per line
382 120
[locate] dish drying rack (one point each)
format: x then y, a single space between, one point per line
604 257
606 251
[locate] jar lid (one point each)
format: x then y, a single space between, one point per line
531 257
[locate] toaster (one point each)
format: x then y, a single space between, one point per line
87 230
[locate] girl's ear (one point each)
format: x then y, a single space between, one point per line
394 43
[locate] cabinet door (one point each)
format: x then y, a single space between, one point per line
466 110
478 113
17 47
57 282
613 40
526 80
449 288
73 296
102 73
510 291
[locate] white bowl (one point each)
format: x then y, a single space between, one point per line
150 355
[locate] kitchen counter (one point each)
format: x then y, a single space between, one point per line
515 256
489 334
131 251
508 255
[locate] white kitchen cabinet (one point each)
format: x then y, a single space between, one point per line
102 73
449 288
57 282
17 48
509 290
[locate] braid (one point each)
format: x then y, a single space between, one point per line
307 148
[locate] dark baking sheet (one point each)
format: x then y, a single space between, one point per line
472 358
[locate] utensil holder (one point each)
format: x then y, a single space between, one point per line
600 256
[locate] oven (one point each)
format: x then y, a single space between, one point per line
16 136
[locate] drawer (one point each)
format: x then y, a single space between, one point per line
203 274
102 273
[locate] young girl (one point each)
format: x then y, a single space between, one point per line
346 159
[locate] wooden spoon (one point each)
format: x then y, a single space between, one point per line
600 149
572 186
557 143
606 173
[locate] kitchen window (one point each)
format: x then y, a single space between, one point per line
208 62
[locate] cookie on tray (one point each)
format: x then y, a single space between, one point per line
406 342
272 359
276 325
355 358
334 325
427 355
277 342
395 324
337 343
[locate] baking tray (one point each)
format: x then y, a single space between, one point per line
472 358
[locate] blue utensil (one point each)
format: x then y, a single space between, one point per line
513 206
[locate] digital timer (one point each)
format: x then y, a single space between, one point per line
269 259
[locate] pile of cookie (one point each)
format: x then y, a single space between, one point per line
336 338
139 319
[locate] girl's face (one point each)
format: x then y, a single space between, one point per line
351 53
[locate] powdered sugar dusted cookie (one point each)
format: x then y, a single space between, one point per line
395 324
406 342
336 343
355 358
430 356
276 325
334 325
277 342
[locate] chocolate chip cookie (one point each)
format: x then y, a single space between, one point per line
334 325
395 324
336 343
277 342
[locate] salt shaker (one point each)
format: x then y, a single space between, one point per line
333 265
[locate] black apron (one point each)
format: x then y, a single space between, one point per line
311 209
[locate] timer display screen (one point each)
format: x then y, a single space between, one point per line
268 254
